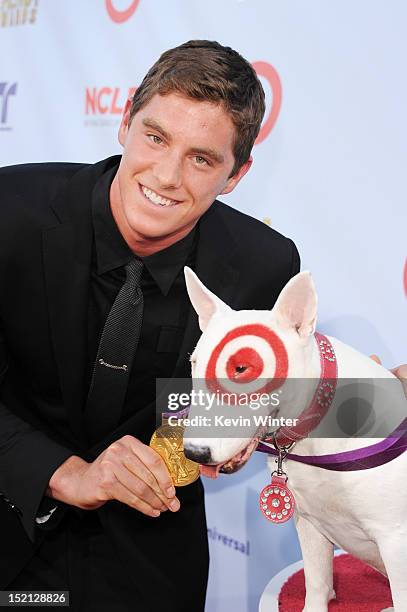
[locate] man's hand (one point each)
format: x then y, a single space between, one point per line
127 471
400 372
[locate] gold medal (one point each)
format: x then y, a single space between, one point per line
168 442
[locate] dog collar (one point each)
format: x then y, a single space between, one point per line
310 418
360 459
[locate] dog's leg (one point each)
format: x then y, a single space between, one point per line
393 551
317 553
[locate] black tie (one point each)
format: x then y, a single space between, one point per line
115 355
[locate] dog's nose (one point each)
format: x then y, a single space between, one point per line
199 454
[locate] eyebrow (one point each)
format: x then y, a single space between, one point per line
217 157
212 153
151 123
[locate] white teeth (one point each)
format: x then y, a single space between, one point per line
155 198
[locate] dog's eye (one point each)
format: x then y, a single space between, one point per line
240 369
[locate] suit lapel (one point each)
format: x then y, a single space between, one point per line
67 262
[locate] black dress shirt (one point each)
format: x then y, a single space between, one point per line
166 301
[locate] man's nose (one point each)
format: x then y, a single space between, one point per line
168 172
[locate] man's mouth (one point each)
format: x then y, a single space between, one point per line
234 464
157 199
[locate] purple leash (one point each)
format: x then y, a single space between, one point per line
359 459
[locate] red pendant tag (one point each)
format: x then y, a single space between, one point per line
276 500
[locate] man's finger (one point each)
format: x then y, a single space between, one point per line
401 373
156 465
136 467
123 495
138 487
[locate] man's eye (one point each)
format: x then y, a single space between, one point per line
154 138
201 161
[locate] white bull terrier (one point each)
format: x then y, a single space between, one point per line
363 511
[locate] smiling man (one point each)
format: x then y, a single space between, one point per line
93 309
178 157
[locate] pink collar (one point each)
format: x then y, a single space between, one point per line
363 458
321 401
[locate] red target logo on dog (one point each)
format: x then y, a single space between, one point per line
247 355
120 15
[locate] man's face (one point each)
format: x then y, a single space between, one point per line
177 159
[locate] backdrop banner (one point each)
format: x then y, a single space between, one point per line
329 171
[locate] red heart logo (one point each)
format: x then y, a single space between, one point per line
270 73
121 16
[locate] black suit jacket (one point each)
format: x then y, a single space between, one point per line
45 257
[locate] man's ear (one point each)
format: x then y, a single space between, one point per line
296 306
125 122
205 303
233 180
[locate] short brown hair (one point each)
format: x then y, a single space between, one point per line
205 70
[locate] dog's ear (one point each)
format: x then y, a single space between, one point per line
296 306
205 303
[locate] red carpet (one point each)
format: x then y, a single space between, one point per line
359 588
